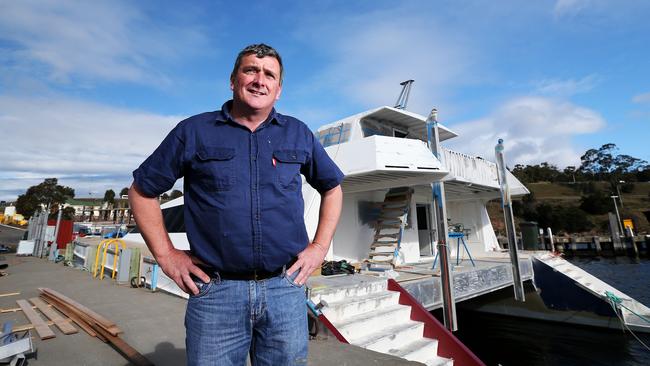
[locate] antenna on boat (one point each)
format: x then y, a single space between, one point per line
403 98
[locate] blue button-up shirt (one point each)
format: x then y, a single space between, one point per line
243 200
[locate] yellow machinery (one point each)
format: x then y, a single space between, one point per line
103 247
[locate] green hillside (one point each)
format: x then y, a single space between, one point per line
579 207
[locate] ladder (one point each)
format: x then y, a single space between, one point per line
389 226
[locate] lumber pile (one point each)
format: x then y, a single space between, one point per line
92 323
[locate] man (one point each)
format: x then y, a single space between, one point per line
249 251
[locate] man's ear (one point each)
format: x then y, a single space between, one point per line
232 84
277 97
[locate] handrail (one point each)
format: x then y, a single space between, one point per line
99 249
471 168
104 244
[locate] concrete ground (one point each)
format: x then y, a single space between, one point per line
10 236
152 322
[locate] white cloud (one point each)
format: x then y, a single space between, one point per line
104 40
642 98
535 130
74 140
567 87
372 53
570 7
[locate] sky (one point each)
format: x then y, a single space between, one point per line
89 88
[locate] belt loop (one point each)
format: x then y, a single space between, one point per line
217 277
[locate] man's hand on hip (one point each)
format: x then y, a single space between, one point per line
178 266
308 260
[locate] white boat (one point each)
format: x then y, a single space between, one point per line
387 220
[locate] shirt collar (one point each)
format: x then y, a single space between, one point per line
224 115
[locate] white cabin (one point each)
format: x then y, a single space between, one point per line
387 148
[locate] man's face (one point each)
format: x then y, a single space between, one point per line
256 83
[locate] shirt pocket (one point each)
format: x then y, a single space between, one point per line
215 170
288 164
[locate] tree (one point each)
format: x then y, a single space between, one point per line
543 172
68 213
607 160
124 192
599 162
49 192
570 173
109 196
175 194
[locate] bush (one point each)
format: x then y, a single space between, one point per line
596 203
559 218
627 188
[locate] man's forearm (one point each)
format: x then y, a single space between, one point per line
176 264
328 217
149 218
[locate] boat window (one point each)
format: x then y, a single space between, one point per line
399 133
334 135
371 127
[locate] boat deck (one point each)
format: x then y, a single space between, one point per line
491 273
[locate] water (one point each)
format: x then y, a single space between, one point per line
516 341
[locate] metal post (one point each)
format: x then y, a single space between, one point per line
620 198
550 239
34 235
56 228
43 234
38 235
510 222
438 195
31 227
618 216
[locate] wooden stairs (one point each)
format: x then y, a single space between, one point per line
389 226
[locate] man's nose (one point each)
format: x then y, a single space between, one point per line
258 79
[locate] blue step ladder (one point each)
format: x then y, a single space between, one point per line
460 238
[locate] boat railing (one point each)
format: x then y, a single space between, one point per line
471 169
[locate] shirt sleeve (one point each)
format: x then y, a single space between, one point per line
320 171
159 172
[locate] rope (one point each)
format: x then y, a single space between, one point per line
614 301
618 301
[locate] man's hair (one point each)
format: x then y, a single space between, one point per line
260 50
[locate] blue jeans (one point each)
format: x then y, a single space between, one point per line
230 319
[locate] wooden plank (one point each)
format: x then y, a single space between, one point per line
10 294
130 353
97 317
70 314
59 321
10 310
41 327
21 328
13 310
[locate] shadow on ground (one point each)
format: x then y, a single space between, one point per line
165 354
